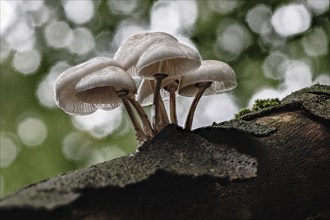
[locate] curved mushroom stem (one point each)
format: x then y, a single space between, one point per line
201 89
162 109
144 118
140 135
171 88
157 102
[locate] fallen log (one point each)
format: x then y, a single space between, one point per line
269 164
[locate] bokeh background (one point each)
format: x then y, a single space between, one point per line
275 47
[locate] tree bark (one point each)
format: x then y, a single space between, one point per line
270 164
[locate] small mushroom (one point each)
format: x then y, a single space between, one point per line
113 86
66 82
172 88
212 77
131 49
169 86
145 95
165 59
145 92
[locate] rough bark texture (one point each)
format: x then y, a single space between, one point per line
270 164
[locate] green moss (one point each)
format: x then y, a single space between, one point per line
265 103
243 111
258 105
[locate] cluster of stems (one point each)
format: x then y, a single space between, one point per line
159 115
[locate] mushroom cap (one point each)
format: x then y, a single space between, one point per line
101 87
66 82
131 49
168 57
145 94
221 75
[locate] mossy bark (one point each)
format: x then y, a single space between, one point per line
270 164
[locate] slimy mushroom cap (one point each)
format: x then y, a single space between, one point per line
221 75
167 57
65 85
131 49
102 86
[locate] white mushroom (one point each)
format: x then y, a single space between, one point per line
212 77
168 89
165 59
65 86
172 88
145 96
131 49
113 86
145 93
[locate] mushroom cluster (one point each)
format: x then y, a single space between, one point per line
166 68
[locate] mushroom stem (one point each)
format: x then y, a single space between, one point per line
144 118
173 107
171 88
157 102
161 106
140 135
163 114
201 89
